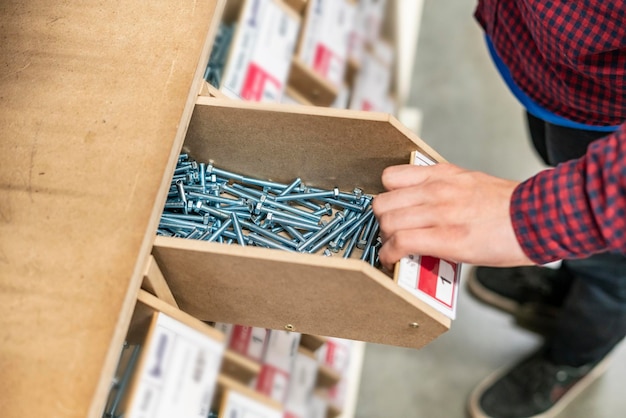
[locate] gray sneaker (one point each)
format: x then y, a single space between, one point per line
533 295
532 388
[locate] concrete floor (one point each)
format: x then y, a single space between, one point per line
473 121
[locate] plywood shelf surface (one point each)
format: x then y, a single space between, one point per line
94 97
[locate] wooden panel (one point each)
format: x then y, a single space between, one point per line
314 87
324 147
312 342
154 282
326 377
238 367
317 295
297 5
226 384
148 304
95 97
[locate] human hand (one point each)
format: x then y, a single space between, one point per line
447 212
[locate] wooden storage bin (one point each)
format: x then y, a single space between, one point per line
96 98
311 294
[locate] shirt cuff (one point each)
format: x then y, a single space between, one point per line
551 216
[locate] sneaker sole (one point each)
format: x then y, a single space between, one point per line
475 411
488 297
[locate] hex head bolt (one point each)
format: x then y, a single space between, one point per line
214 199
202 175
283 219
220 230
372 234
268 234
339 218
198 206
365 234
358 226
290 188
343 204
294 210
332 235
268 242
294 233
327 209
304 196
237 229
181 194
350 247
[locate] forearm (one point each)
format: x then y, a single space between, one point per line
576 209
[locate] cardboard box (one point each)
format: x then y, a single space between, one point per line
248 341
301 384
273 289
323 45
371 89
260 53
366 30
277 364
176 371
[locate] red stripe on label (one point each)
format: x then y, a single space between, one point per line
322 59
428 275
240 339
254 85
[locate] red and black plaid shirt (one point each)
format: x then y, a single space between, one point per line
570 58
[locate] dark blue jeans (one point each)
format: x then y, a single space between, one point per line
593 318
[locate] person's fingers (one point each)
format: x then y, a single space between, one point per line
400 176
435 242
408 218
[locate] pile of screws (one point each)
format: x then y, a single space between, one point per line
211 204
219 53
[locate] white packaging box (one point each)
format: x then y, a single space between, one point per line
260 57
225 329
177 372
335 353
372 85
326 33
374 15
368 20
277 364
248 341
237 405
318 407
384 52
301 386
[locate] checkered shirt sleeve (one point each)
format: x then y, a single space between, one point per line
577 208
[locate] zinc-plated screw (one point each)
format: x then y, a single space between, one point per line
237 229
267 242
181 194
290 188
339 218
220 230
370 239
304 196
332 235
